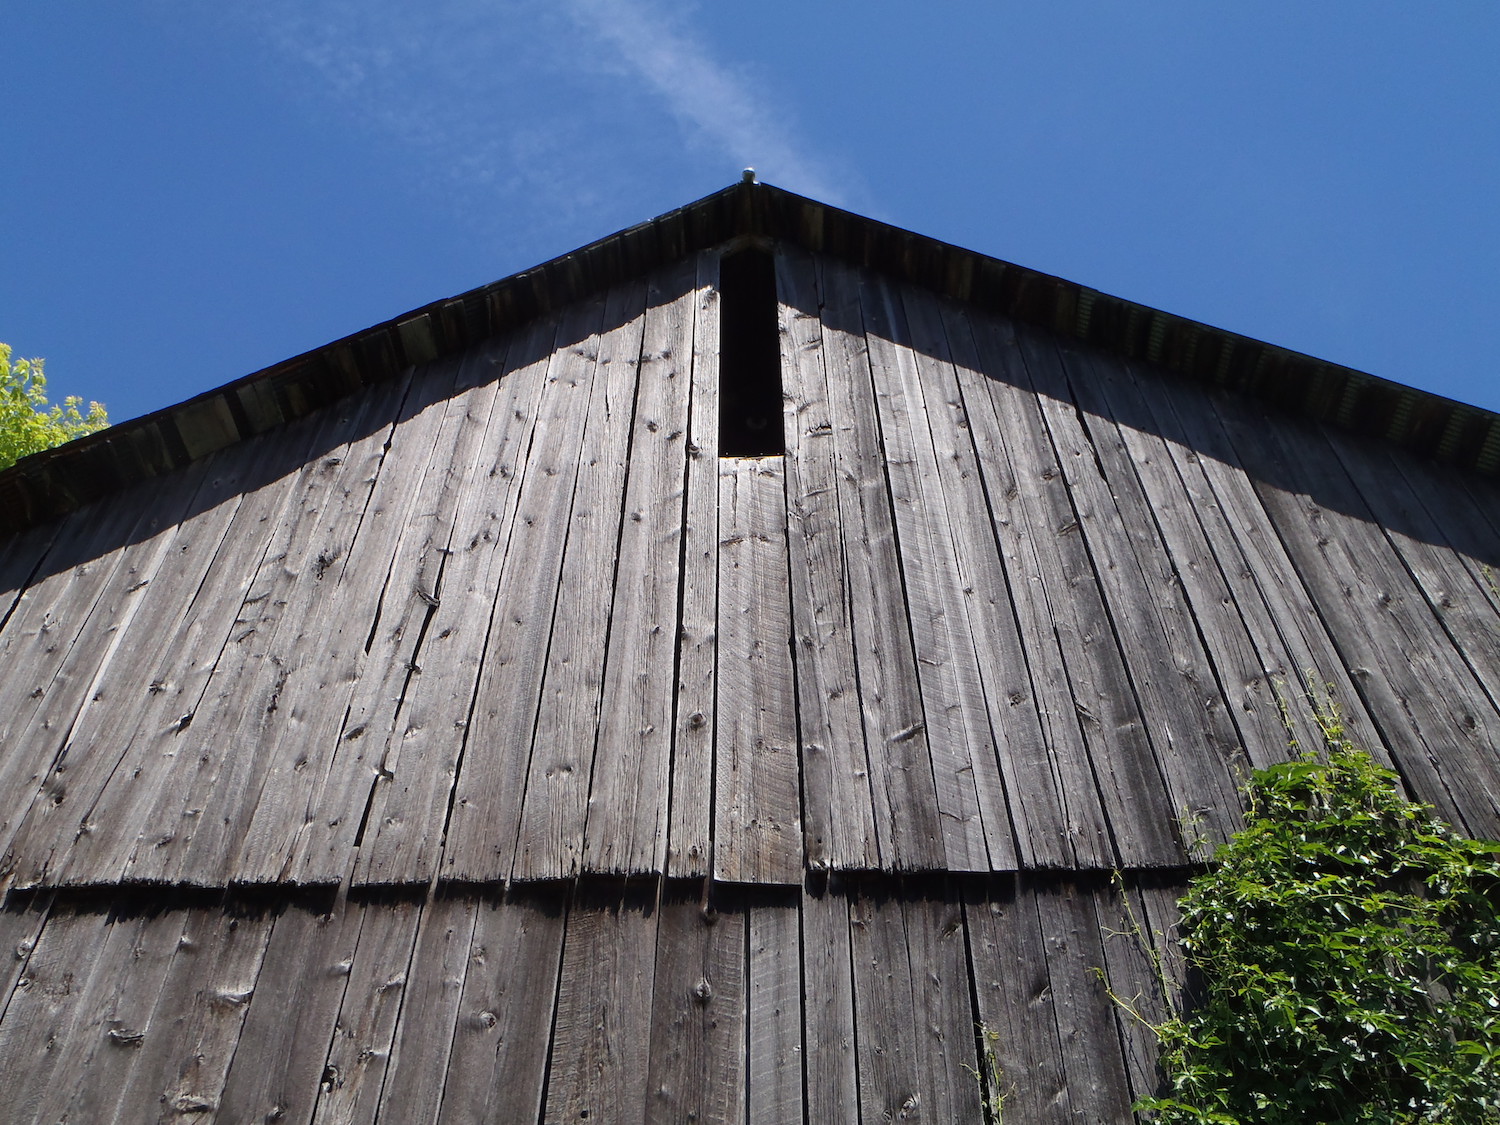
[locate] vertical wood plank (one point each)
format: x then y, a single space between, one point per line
1186 715
106 1056
838 804
698 1013
1459 598
128 763
906 804
1256 563
415 773
956 728
941 1008
326 655
407 607
757 791
190 832
555 805
1017 1005
365 1030
498 1064
50 1003
283 1045
1093 1063
424 1036
212 980
1259 677
775 1011
1031 676
1440 726
628 801
1033 784
688 842
1087 706
892 1081
601 1038
481 836
829 1054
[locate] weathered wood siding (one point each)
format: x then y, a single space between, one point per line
1005 603
613 1002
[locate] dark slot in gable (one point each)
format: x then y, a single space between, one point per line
750 357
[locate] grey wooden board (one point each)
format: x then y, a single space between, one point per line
1063 819
1032 785
1187 716
98 736
409 805
838 805
1258 672
1148 486
186 833
122 1021
20 559
550 841
1016 1003
365 1030
20 927
288 682
498 1065
59 633
1458 597
688 844
1433 713
907 817
775 1012
1268 589
829 1054
894 1083
283 1044
757 796
127 763
698 1013
964 766
602 1033
1136 973
1088 710
329 648
45 1009
199 1016
408 603
1098 1089
429 1013
941 1008
628 797
481 836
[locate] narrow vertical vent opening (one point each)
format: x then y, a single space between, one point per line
749 356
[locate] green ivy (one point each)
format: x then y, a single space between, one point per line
1346 950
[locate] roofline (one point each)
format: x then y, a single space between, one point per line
49 484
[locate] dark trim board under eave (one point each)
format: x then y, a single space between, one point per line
53 482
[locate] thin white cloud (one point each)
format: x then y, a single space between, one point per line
539 122
702 93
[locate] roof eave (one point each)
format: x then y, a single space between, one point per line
49 484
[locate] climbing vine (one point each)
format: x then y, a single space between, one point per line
1345 949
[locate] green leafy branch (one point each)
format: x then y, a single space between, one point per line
27 424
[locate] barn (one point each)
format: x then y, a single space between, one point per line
765 666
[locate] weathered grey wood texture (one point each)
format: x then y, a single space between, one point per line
612 1003
1006 603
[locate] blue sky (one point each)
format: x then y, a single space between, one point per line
194 191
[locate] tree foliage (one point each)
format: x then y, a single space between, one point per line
1348 950
27 423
